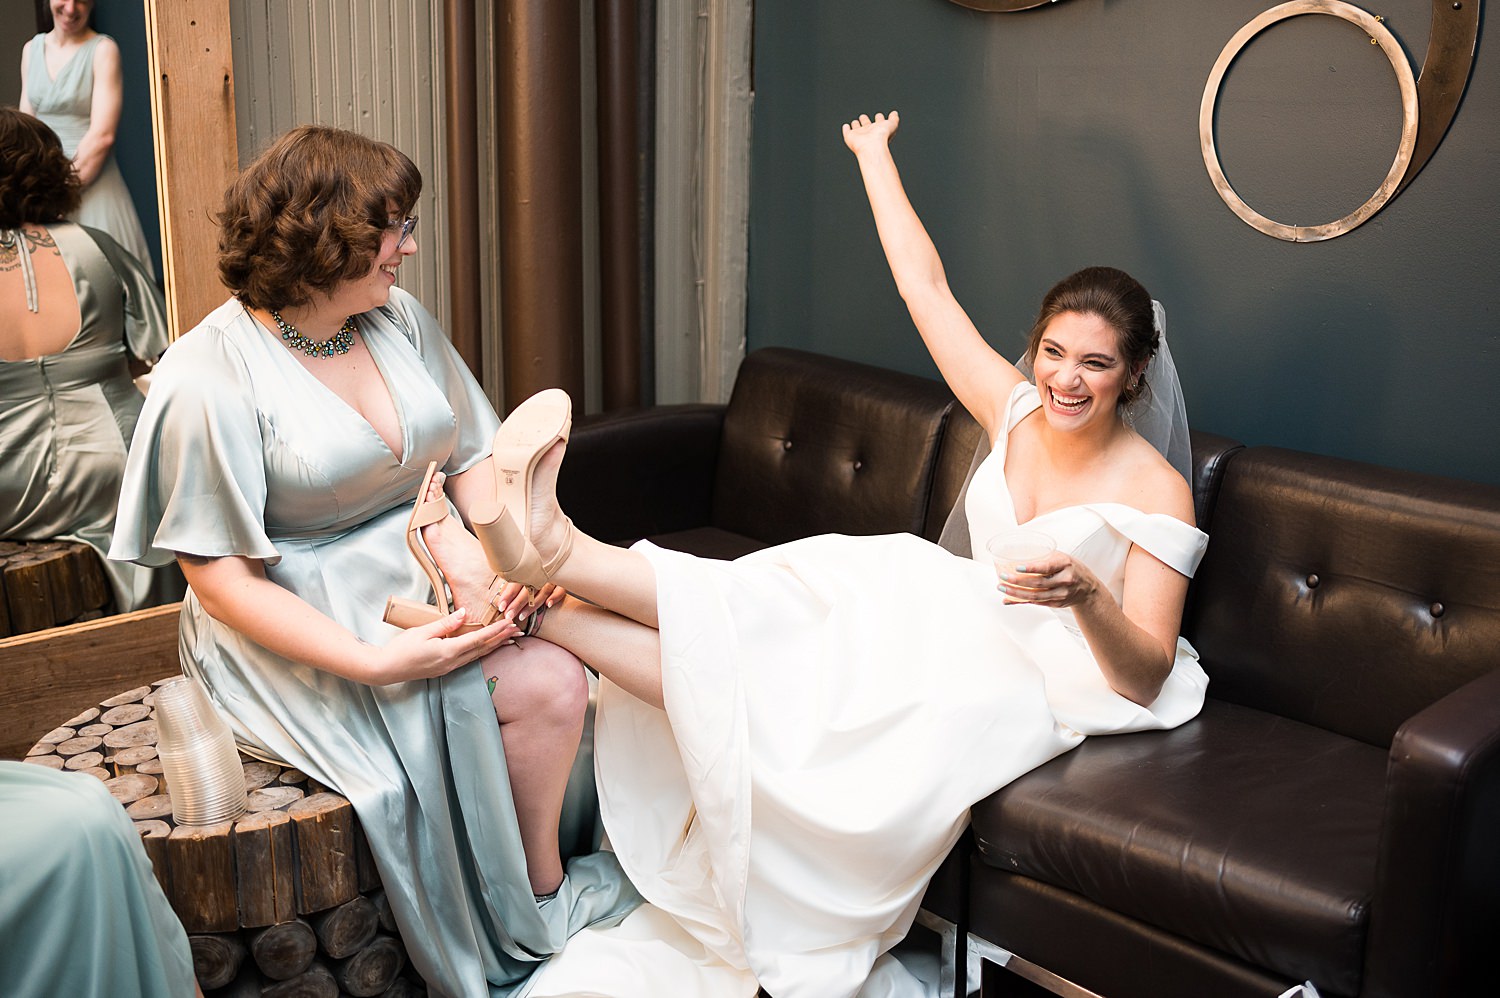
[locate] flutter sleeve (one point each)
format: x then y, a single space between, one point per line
145 308
195 479
476 417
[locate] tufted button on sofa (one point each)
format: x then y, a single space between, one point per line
1333 814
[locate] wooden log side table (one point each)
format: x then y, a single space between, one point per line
282 902
50 583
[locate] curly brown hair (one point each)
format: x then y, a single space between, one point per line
37 181
1120 301
309 214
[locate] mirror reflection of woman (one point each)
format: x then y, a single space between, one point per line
76 312
70 78
276 460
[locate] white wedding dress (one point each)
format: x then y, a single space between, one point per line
834 707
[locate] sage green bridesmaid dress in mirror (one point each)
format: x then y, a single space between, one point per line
65 103
66 418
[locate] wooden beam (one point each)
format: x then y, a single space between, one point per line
49 676
192 111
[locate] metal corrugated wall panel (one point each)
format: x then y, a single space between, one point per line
371 66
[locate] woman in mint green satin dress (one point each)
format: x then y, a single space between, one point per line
277 461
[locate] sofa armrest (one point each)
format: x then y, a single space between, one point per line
1437 901
639 472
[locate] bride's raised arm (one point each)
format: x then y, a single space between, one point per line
980 377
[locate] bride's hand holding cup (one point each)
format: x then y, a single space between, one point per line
1019 557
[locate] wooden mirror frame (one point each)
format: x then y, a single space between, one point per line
197 155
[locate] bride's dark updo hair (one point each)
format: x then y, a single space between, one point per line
1120 301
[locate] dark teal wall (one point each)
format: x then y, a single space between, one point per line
126 24
1039 142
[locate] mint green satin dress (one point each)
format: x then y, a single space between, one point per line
66 418
240 451
65 103
81 913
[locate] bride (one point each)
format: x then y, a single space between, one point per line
784 756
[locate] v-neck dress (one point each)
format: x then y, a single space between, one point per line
834 706
241 451
65 103
66 418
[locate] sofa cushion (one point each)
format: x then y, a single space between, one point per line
1242 831
816 445
708 542
1345 595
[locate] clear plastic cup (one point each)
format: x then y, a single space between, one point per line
1014 552
198 756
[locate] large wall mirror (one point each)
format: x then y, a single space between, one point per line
126 24
176 95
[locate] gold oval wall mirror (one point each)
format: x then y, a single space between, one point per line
1002 6
1428 104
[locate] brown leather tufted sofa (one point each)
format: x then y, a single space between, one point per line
1332 816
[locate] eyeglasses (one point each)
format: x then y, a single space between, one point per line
404 226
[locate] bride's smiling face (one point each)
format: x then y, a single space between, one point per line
1080 372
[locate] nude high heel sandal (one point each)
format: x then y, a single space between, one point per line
502 523
405 613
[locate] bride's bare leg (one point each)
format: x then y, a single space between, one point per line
624 651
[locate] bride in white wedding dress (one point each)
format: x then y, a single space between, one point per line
784 755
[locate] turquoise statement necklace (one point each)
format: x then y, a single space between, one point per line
338 343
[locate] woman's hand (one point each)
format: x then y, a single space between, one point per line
434 650
862 133
516 602
234 590
1134 642
1056 581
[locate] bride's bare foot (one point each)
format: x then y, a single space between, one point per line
458 554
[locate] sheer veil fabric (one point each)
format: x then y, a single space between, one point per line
1159 415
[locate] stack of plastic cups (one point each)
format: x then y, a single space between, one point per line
198 755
